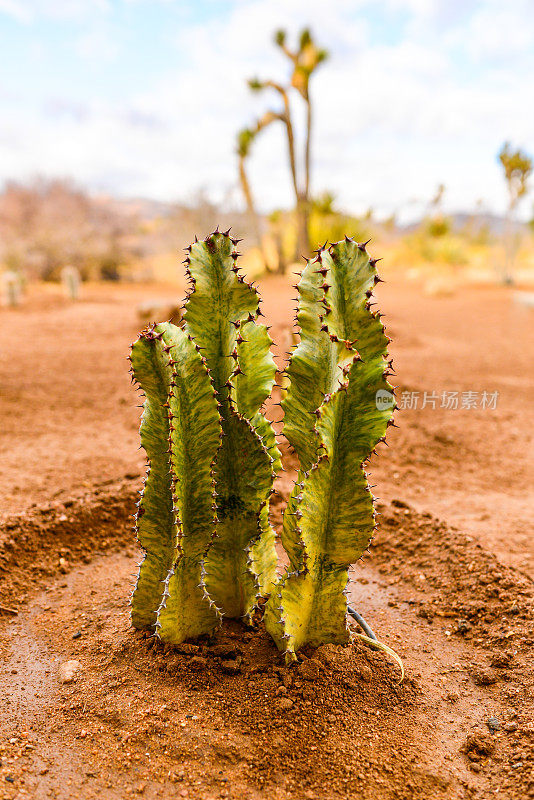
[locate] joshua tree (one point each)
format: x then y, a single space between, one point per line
517 167
305 60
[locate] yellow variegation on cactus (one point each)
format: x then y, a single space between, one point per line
203 517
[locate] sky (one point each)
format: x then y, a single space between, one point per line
143 98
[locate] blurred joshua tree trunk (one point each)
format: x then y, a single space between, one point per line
305 61
517 167
244 141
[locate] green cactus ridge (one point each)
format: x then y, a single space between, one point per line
221 317
155 523
180 433
332 421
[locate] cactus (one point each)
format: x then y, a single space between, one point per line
175 520
203 518
220 316
203 515
333 421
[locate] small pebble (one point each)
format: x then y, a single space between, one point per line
478 745
284 704
482 677
501 660
493 724
365 673
463 626
231 667
68 671
197 663
510 727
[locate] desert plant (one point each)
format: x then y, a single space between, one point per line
517 166
203 518
12 288
180 432
337 409
70 278
327 223
304 61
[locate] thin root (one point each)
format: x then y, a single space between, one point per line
376 645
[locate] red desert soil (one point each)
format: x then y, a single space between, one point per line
446 582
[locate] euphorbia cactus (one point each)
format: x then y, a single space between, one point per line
221 316
333 421
203 516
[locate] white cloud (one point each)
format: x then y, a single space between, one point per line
16 10
98 45
500 31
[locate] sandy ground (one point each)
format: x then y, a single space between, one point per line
447 582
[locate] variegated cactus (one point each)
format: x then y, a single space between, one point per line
333 421
203 515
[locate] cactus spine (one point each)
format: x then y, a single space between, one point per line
333 423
